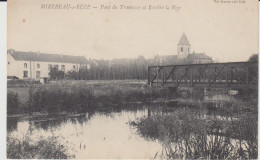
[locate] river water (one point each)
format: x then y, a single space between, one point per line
102 134
97 135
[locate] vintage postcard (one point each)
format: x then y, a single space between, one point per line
132 79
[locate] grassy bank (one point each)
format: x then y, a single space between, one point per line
79 97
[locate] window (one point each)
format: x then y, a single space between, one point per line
25 65
25 74
56 66
49 67
88 66
8 62
38 74
181 49
63 67
38 65
74 67
188 49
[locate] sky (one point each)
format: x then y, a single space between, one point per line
225 31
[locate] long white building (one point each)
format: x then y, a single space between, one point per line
25 65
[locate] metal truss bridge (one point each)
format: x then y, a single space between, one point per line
235 75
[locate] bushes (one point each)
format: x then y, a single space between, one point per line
83 98
49 148
58 99
56 74
12 102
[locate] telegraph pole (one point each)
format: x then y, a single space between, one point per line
30 66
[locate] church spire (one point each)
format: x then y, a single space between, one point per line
184 40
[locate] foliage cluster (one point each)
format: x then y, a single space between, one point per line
26 148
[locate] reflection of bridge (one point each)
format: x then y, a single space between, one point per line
235 75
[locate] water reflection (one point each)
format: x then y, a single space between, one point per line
98 135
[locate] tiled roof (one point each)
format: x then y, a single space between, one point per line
184 40
44 57
168 56
199 56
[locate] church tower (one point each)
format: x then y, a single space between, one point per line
183 47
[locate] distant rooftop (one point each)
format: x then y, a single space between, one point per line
184 40
167 56
45 57
198 56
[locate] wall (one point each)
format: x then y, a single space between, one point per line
13 68
199 61
186 51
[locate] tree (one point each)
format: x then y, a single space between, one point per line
56 74
253 58
12 102
72 74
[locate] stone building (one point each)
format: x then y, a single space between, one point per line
34 65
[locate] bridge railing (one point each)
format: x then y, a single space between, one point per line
234 74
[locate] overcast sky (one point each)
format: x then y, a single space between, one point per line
226 32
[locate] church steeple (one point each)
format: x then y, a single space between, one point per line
183 47
184 40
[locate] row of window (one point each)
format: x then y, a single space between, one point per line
56 66
50 65
25 65
25 74
182 49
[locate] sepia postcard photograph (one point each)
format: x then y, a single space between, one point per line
132 79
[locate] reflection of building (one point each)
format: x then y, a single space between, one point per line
36 65
184 55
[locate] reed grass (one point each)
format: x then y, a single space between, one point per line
188 133
83 97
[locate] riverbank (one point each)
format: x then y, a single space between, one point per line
80 97
70 97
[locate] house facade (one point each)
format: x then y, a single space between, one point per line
34 65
